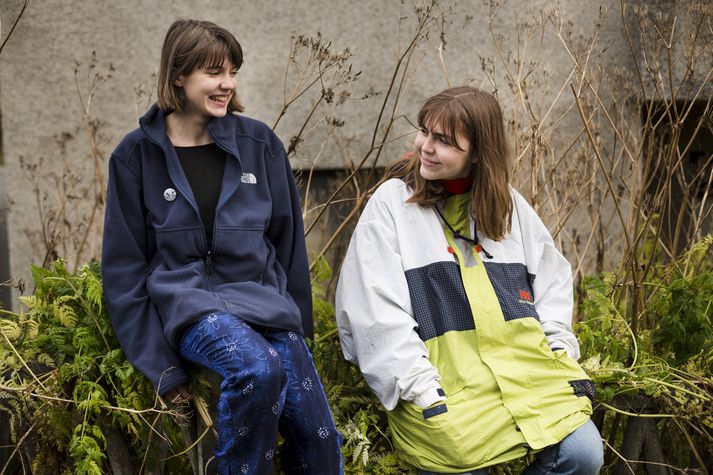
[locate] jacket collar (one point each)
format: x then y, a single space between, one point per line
222 129
153 123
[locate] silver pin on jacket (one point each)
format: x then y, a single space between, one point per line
169 194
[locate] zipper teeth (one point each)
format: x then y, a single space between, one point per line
209 260
208 268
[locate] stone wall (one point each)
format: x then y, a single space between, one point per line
48 72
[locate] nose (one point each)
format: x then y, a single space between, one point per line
228 82
427 145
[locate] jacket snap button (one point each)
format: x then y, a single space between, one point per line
169 194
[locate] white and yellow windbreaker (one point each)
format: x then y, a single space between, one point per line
474 358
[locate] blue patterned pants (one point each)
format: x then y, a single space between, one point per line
269 384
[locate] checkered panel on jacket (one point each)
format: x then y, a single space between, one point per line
438 299
513 286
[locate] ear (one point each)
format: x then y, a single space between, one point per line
178 82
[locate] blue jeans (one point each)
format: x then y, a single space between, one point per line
580 453
270 385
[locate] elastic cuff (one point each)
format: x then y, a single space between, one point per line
172 378
430 397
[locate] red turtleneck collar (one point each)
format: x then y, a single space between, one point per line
458 185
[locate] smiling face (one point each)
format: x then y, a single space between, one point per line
443 157
207 91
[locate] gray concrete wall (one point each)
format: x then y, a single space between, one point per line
42 120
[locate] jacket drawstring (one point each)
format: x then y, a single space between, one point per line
457 235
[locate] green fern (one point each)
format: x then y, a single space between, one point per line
10 329
356 440
30 301
63 338
64 313
94 291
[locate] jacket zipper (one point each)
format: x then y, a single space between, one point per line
210 251
209 261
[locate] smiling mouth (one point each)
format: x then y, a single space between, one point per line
220 99
428 163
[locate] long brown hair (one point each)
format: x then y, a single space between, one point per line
190 45
476 115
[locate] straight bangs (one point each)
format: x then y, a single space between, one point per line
213 49
448 115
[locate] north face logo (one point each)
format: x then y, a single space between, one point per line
248 178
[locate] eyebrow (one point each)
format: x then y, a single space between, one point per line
219 67
440 135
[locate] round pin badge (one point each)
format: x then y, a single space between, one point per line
169 194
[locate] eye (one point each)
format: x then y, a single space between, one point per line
233 72
423 131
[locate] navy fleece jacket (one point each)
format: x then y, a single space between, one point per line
159 276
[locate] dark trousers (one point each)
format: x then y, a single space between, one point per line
270 385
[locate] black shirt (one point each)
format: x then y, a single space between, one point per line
204 166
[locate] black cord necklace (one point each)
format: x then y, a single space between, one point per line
457 235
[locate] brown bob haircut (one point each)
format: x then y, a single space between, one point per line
475 115
191 45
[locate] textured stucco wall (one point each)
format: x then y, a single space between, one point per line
39 98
